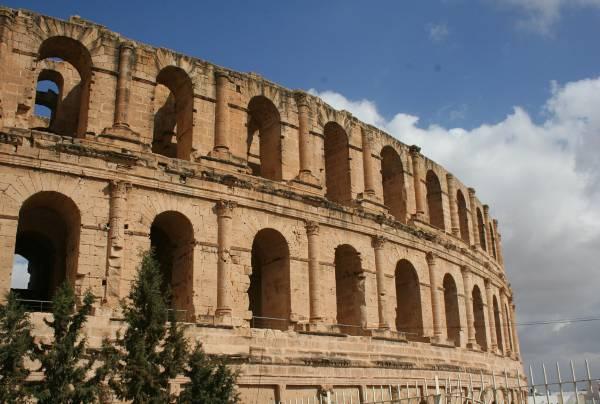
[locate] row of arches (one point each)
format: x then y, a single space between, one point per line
48 239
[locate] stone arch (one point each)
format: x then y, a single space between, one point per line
263 142
173 113
463 217
269 291
479 318
49 97
47 237
409 314
481 230
172 242
509 326
498 324
337 164
349 289
75 53
492 241
392 179
435 204
452 311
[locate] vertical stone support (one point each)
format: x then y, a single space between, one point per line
486 230
418 179
305 144
499 255
121 119
368 170
116 242
378 246
314 272
506 327
466 276
491 318
222 141
436 307
453 207
8 235
224 211
513 330
474 223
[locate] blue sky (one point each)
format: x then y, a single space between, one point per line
504 93
450 62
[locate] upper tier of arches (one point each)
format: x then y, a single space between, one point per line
154 100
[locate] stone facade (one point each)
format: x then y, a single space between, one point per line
312 250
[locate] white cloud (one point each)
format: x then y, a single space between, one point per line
541 15
438 32
542 182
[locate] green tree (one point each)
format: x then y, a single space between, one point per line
16 344
65 362
151 352
211 382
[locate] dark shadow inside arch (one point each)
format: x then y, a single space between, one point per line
479 319
349 290
481 230
409 313
452 311
463 217
499 337
269 292
434 200
392 177
263 142
337 164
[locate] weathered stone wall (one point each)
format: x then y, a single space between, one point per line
215 168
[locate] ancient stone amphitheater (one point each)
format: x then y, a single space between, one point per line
314 251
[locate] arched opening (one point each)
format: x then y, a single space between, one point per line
493 242
463 216
264 139
392 178
479 318
337 164
269 291
481 230
452 313
509 327
57 51
435 205
349 289
409 315
498 324
172 240
173 114
47 246
48 93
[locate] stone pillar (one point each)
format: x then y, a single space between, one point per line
221 146
513 330
499 255
466 275
378 245
369 175
435 299
506 327
474 222
116 242
314 272
488 236
305 144
453 207
492 320
8 235
121 119
224 218
417 179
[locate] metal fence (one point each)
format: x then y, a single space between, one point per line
466 388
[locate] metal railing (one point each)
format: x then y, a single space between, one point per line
30 305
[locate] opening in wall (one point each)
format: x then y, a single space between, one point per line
349 290
409 317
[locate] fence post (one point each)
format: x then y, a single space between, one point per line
560 387
328 397
574 383
589 376
532 383
546 383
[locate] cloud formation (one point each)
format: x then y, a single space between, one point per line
438 32
542 181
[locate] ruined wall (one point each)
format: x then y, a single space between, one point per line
154 148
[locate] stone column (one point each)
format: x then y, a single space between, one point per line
499 255
314 271
474 222
8 235
121 119
453 207
417 179
305 144
221 146
492 320
435 299
466 275
513 330
116 242
224 218
369 175
506 326
378 245
488 236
